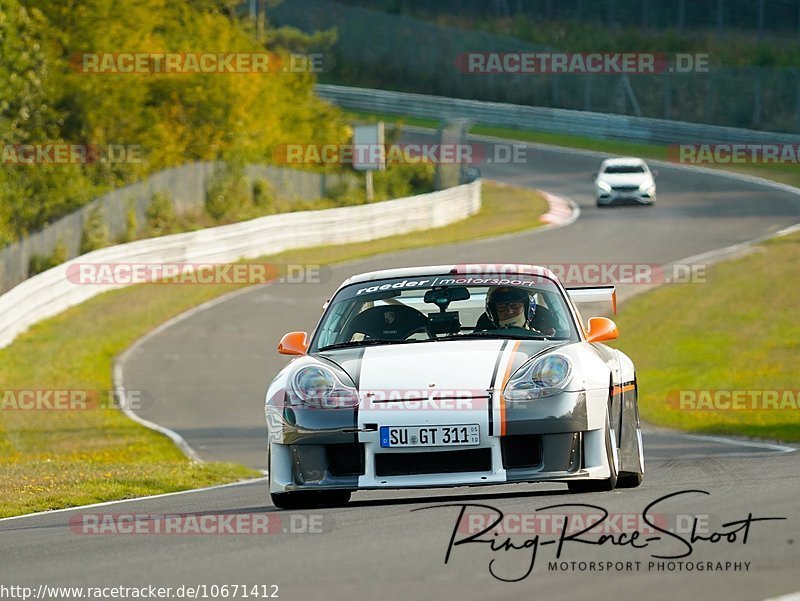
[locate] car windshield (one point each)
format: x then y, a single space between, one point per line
431 308
624 169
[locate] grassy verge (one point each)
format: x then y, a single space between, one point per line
737 331
54 459
785 173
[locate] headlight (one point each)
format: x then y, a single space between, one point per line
604 186
540 378
648 187
319 387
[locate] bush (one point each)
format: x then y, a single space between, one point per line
95 231
59 255
39 263
228 197
161 217
172 120
263 197
399 181
131 225
347 192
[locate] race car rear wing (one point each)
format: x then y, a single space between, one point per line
596 294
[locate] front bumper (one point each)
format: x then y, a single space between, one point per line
546 440
623 197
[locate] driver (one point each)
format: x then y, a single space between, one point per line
511 307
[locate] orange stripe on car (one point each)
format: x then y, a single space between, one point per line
503 387
621 389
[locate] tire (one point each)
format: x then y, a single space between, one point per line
634 479
629 479
310 499
610 483
307 499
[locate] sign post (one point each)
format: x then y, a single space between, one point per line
369 153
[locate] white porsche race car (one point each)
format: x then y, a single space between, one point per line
452 376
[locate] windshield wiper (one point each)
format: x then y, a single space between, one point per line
369 342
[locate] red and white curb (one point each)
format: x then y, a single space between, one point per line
562 210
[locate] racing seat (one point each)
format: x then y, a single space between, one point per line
387 322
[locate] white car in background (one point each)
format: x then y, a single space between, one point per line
624 180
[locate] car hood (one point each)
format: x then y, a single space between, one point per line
445 366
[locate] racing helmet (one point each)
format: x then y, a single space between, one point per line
510 294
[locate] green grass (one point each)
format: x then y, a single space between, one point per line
738 331
55 459
785 173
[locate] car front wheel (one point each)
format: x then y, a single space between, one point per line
610 483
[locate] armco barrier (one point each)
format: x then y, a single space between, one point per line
551 120
50 292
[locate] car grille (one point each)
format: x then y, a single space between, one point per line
625 188
440 462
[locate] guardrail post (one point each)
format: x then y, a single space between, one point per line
797 101
587 93
667 95
757 99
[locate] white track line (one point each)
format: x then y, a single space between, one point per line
777 448
119 382
158 496
787 597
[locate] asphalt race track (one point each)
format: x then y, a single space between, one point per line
207 374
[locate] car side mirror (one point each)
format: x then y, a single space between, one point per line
600 329
655 173
294 343
594 175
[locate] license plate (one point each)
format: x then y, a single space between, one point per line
460 435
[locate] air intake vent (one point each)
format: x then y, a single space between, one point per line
521 451
442 462
345 459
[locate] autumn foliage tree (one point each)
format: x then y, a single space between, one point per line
171 118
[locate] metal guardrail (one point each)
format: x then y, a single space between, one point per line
398 52
550 120
51 292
